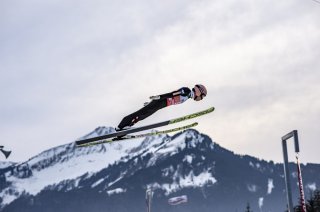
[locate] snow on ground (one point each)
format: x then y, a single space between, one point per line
294 175
97 183
252 188
251 164
260 202
4 164
167 171
167 148
197 181
311 186
116 191
70 169
270 185
173 146
189 181
188 158
7 197
68 164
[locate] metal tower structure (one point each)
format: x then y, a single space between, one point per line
294 135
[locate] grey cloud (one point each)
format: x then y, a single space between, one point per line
67 67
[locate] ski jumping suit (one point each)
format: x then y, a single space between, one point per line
173 98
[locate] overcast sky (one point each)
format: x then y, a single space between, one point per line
67 67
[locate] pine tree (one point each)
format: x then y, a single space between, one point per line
310 204
316 199
248 208
313 204
297 208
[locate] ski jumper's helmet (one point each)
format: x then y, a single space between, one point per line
200 92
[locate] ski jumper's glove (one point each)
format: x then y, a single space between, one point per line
155 97
152 98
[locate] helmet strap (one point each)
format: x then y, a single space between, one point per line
193 94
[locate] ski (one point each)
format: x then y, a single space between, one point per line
147 127
140 135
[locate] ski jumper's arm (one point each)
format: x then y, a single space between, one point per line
182 91
176 97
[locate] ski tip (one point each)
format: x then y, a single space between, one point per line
194 124
209 110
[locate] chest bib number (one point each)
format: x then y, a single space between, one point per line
176 100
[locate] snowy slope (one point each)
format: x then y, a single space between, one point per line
67 162
62 163
4 164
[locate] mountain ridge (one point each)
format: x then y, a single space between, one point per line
186 163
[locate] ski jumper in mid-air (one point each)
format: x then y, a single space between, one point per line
161 101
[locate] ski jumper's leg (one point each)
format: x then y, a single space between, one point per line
143 113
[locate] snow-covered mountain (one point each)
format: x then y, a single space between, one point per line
114 177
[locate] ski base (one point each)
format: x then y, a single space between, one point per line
127 137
